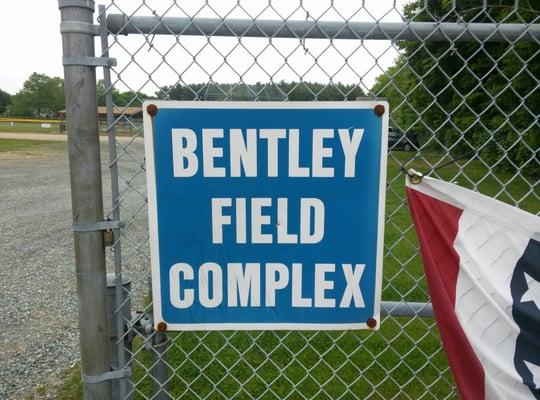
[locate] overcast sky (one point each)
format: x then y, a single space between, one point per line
31 43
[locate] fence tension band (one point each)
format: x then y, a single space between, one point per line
89 61
107 376
79 27
77 3
165 343
97 226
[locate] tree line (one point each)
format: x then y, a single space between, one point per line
470 97
42 96
271 91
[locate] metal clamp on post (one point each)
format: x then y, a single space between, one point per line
77 3
107 376
79 27
89 61
97 226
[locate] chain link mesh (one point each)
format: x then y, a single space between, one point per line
476 102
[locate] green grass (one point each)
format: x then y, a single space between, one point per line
10 145
27 127
70 387
297 365
403 360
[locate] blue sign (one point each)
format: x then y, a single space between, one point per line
266 215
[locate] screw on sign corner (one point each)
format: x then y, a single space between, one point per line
379 110
371 323
162 326
151 109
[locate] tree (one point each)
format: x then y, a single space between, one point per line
275 91
5 100
41 96
120 99
395 84
470 96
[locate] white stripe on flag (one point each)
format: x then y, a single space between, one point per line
488 255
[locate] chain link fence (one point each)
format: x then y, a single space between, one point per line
462 79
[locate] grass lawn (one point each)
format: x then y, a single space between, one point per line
69 388
27 127
403 360
9 145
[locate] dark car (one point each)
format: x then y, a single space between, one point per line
398 140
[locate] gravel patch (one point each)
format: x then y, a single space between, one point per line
38 299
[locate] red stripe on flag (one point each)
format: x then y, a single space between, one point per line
436 224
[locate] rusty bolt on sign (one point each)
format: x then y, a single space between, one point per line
371 323
379 110
151 109
162 326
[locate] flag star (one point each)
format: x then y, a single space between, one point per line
533 291
535 371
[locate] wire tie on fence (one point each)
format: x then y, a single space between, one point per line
416 177
453 160
97 226
107 376
151 41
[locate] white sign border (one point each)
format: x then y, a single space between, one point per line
153 220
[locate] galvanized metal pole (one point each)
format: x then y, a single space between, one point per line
160 368
428 31
86 193
121 297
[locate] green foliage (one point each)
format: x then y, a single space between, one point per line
5 100
42 96
121 99
395 85
68 388
467 96
9 145
261 91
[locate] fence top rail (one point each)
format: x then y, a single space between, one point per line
430 31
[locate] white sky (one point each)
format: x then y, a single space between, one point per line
32 44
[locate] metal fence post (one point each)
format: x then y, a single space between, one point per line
121 296
119 345
160 368
78 31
